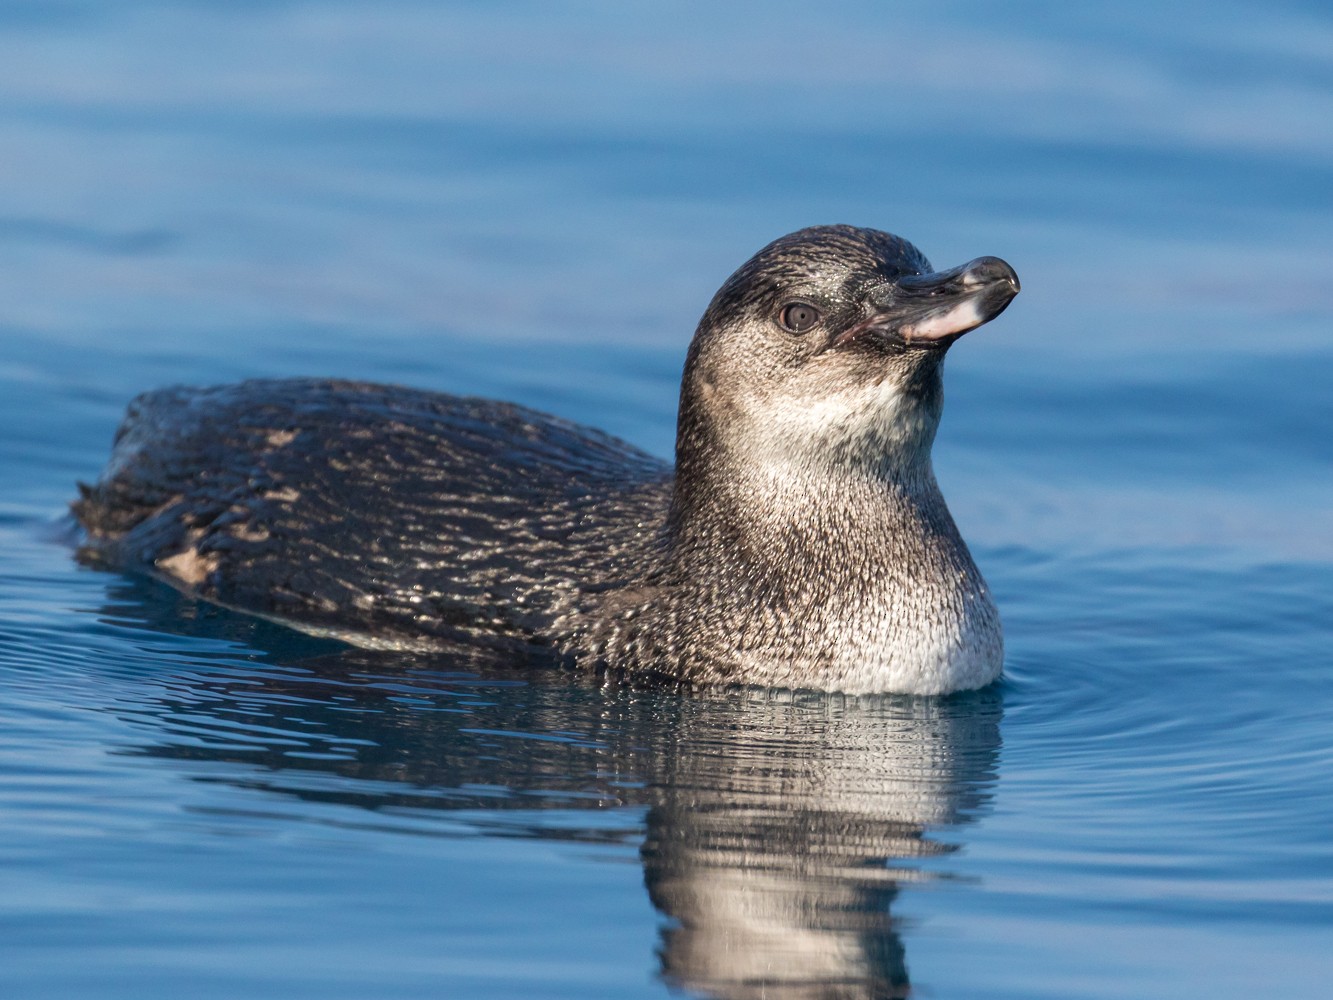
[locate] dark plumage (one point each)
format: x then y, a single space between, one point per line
801 542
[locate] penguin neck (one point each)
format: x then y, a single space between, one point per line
797 520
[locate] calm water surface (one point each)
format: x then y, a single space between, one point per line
523 203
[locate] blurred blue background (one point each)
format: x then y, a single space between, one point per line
535 202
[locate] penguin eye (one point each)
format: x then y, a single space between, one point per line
798 317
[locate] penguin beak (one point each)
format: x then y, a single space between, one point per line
934 310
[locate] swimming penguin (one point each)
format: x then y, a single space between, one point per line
800 541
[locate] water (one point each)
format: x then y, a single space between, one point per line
535 205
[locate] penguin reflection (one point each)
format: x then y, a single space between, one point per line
773 838
779 826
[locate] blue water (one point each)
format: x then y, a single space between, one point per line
534 202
